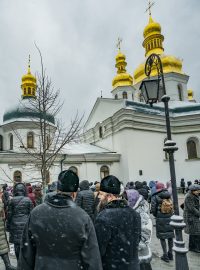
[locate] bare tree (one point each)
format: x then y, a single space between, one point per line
52 135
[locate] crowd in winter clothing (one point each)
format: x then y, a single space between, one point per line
92 226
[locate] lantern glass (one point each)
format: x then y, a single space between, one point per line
150 90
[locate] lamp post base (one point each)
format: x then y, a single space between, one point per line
179 244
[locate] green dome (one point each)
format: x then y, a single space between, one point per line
24 112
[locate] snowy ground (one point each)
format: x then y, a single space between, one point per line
157 264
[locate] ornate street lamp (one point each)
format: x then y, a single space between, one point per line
153 90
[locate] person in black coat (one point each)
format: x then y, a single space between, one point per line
182 185
118 228
86 199
59 234
163 228
142 189
19 209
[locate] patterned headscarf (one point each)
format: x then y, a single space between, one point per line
133 196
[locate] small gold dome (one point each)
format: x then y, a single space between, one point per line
190 94
122 78
152 27
29 84
153 43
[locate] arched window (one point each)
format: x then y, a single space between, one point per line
1 143
180 92
104 171
192 148
30 140
29 91
24 91
74 169
166 154
124 95
116 96
17 177
100 132
11 141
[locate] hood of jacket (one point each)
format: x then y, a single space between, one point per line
84 185
19 190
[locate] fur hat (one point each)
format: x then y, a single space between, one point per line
68 181
110 184
194 187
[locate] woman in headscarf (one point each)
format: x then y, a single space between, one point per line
137 202
19 209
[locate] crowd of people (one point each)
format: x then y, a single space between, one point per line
100 226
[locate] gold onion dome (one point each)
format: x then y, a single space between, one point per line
122 78
29 84
153 43
190 94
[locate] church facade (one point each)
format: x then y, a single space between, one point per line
122 135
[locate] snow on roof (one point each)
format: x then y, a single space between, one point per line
83 148
175 108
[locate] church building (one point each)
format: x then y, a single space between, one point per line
123 135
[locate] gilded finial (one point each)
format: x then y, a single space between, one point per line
119 42
29 64
150 5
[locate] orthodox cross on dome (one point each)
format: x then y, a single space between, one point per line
150 5
119 42
29 61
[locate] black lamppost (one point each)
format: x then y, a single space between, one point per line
153 90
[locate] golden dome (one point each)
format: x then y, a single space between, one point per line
29 84
190 94
122 78
152 27
153 43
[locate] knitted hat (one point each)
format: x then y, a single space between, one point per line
68 181
194 187
110 184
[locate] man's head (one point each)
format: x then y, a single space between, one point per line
68 182
195 189
109 189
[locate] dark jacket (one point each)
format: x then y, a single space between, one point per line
86 199
19 209
142 189
59 235
118 229
192 214
163 228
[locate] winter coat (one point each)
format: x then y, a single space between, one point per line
86 199
31 195
142 207
142 189
19 209
118 229
192 214
59 235
163 228
4 248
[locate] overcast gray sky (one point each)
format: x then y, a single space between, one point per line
78 42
